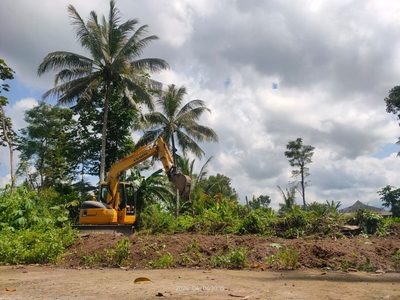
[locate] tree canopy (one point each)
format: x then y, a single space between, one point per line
113 68
300 156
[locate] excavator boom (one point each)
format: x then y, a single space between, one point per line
117 207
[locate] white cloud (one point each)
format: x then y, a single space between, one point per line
334 63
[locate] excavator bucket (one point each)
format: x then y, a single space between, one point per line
182 183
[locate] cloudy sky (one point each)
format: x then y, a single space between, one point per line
334 62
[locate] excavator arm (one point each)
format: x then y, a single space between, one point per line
180 181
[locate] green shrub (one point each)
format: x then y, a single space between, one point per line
258 221
234 259
289 258
36 246
31 232
155 220
164 261
119 255
369 222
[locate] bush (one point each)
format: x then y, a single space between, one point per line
369 222
34 246
258 221
30 232
154 220
234 259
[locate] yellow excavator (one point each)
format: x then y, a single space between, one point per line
116 209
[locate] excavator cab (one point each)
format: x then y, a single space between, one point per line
125 197
99 212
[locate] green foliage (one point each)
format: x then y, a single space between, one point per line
393 101
288 197
289 258
5 73
259 221
367 267
234 259
154 219
318 209
45 144
369 222
151 190
300 156
164 261
110 68
390 197
8 137
87 132
30 231
119 255
176 118
192 254
396 258
226 217
34 246
393 104
94 259
324 209
217 188
295 222
262 201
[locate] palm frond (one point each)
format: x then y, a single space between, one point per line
201 133
61 60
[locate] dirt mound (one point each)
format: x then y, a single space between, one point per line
205 251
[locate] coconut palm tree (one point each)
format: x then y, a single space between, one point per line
177 118
113 68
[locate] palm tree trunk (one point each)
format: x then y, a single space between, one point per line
104 136
175 164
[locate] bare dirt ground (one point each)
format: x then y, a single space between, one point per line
38 282
328 269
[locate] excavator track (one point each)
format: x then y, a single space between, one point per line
126 230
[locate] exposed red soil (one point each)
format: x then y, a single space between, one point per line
195 250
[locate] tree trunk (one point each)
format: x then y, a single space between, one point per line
303 187
174 166
104 136
10 146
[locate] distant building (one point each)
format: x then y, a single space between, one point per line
359 205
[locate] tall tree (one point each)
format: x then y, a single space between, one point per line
300 156
393 105
113 67
7 135
45 145
262 201
87 134
177 118
390 197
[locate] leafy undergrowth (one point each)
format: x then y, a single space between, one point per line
234 252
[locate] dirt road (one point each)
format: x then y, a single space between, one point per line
38 282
